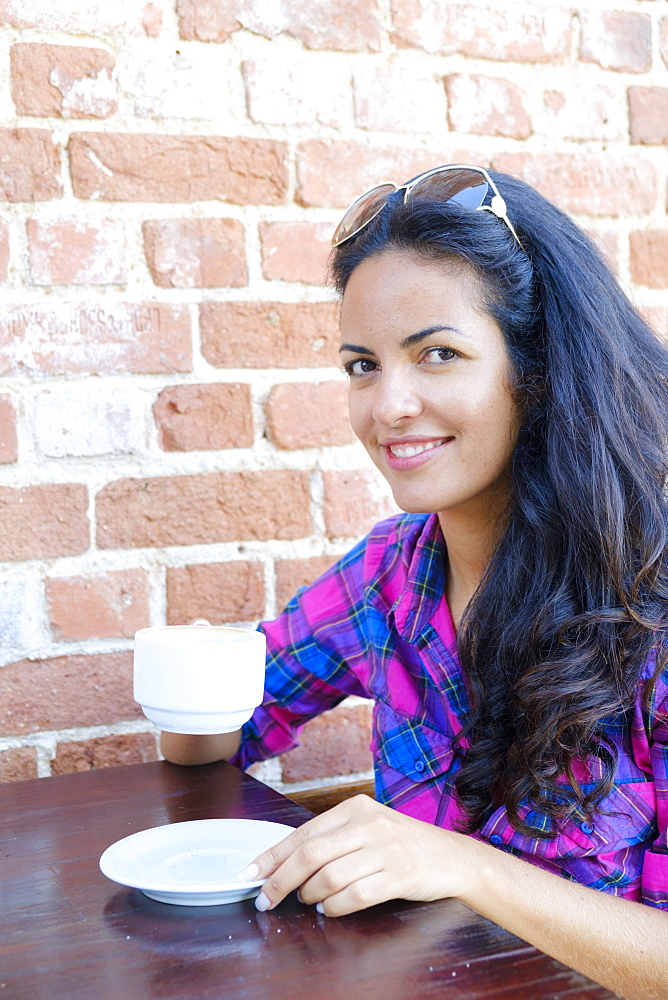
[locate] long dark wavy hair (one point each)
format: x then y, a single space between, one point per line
575 598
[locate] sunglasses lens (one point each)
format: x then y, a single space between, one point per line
362 211
467 188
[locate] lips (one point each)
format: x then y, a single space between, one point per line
402 456
409 450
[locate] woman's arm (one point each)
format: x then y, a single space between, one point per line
181 748
361 853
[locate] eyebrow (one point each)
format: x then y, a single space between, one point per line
413 338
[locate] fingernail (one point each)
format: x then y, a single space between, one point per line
320 908
262 903
250 874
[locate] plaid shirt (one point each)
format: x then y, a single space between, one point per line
377 625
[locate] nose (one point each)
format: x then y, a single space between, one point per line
395 399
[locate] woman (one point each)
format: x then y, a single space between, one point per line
511 627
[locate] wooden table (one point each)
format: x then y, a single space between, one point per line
68 932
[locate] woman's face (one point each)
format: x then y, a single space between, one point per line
430 375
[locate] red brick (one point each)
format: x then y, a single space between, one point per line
203 509
9 449
42 522
521 33
295 251
196 253
4 252
648 115
305 415
178 168
19 764
90 338
587 184
63 81
219 592
112 605
291 574
346 25
616 40
397 99
206 417
486 105
649 257
337 742
29 165
74 252
66 691
126 17
270 334
331 174
354 502
104 751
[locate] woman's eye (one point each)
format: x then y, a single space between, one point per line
437 355
362 366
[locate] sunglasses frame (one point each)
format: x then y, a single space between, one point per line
497 206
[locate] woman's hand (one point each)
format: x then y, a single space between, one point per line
358 854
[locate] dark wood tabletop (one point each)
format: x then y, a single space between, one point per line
68 932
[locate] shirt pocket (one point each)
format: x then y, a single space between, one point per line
409 746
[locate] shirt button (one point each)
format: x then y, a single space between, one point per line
587 828
496 838
420 766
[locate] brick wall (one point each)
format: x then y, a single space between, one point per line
173 436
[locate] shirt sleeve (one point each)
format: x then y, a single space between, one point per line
655 862
317 655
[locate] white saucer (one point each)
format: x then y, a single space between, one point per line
196 863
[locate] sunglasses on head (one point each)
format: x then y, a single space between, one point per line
463 185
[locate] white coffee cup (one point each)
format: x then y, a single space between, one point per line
199 678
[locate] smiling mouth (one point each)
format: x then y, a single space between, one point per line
410 450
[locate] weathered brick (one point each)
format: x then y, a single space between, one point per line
616 39
91 18
196 253
305 92
64 691
177 168
291 574
657 317
486 105
203 509
111 605
269 334
70 338
305 415
607 241
648 115
63 81
397 99
220 592
83 420
206 417
29 165
354 502
331 174
168 83
41 522
4 252
592 112
9 448
663 39
347 25
104 751
18 764
75 252
21 611
518 32
337 742
649 257
587 184
295 251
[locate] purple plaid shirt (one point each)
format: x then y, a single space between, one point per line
377 625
